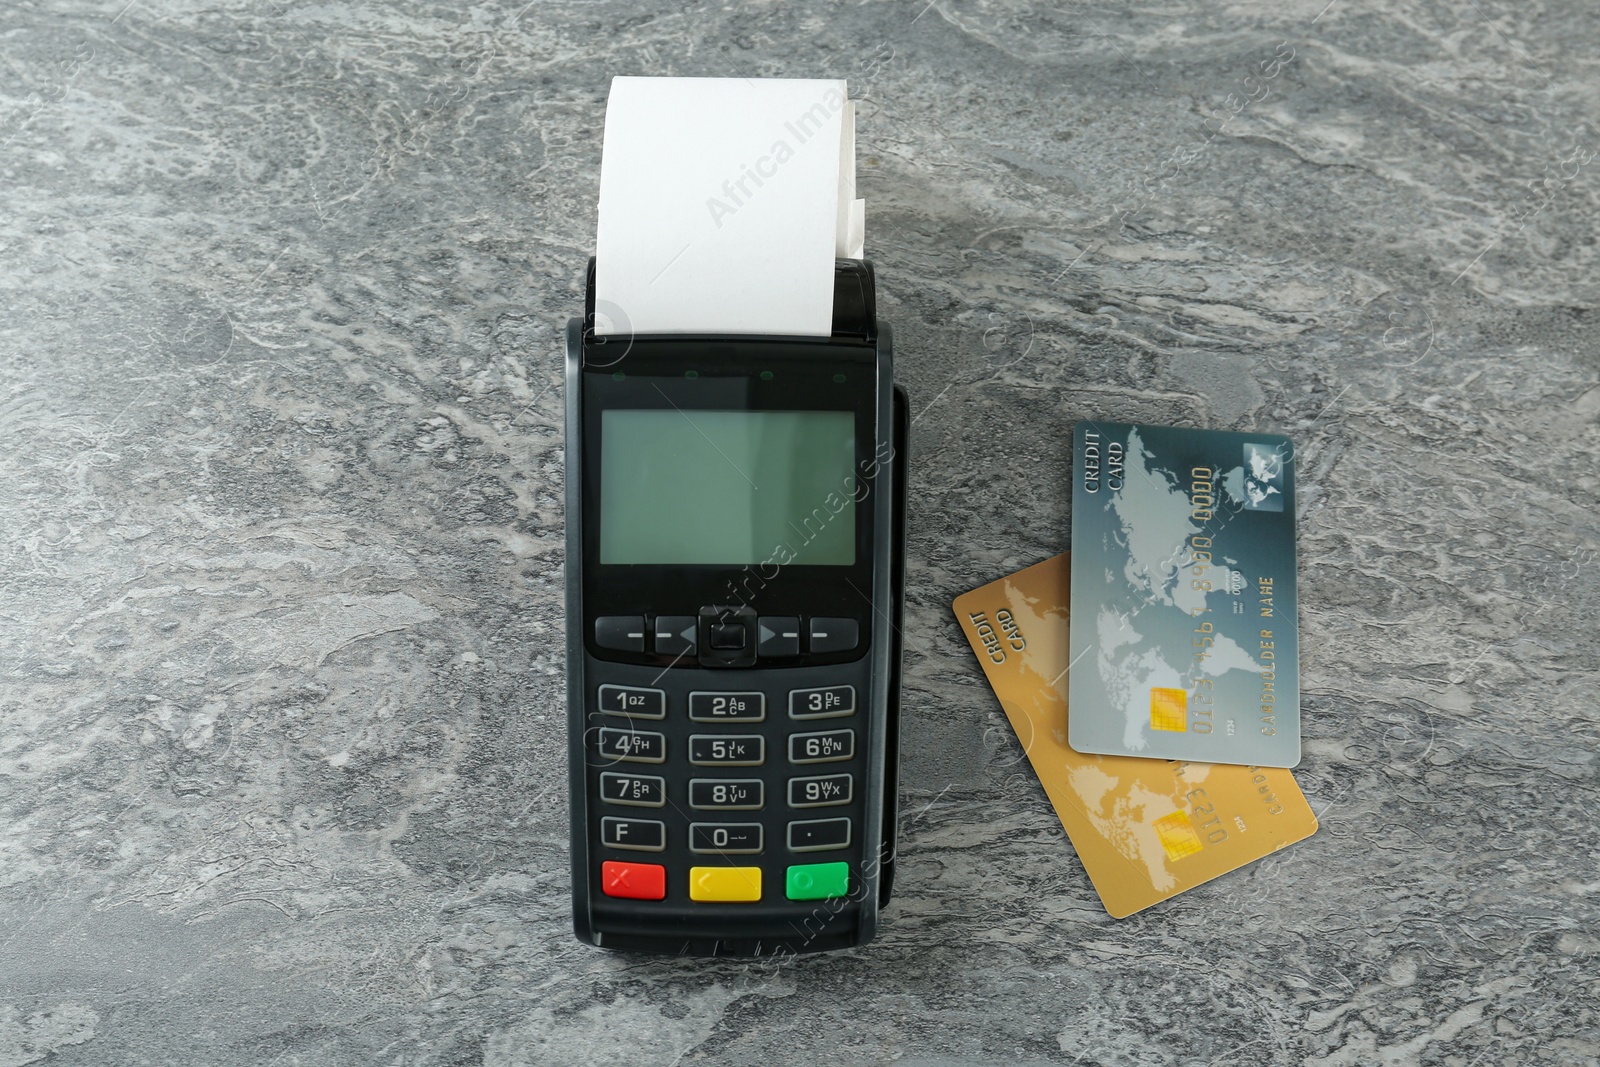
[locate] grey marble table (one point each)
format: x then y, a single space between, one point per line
281 632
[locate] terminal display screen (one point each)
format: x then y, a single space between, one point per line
680 487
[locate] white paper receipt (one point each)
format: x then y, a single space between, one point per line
723 202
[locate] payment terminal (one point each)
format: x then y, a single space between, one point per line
735 529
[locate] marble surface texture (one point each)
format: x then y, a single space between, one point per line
281 634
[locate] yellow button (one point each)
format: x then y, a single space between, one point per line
724 884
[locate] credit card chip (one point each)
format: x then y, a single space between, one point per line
1169 710
1177 835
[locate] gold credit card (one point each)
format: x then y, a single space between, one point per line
1145 829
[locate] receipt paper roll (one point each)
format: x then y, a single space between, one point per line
723 203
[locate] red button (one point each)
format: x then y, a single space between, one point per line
635 881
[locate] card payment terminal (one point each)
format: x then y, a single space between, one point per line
735 530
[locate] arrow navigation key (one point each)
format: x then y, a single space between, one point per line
778 636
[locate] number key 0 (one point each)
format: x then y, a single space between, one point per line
725 838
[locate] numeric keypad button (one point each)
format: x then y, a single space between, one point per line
827 703
727 750
633 702
829 746
725 794
632 746
821 792
639 790
727 707
725 838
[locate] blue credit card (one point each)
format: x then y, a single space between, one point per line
1185 629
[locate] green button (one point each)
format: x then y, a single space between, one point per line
817 881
